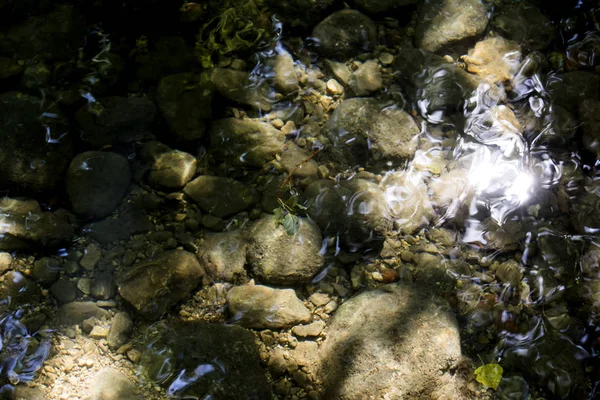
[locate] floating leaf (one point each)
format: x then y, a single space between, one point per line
489 375
291 224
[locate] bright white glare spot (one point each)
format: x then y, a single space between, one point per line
521 187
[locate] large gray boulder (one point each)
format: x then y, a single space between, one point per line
364 129
184 100
220 196
96 182
279 258
345 34
36 145
395 342
443 22
245 142
115 119
154 285
261 307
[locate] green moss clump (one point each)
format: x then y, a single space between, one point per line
240 26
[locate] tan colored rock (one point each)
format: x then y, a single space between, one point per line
286 80
366 79
261 307
495 59
293 158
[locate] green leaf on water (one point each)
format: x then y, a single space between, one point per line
278 214
291 224
489 375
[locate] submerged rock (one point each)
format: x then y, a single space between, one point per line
345 34
224 255
279 258
363 130
382 6
353 211
56 35
96 182
299 13
120 328
9 67
24 226
443 22
366 79
220 196
36 144
392 332
570 89
75 313
115 119
242 88
286 80
525 25
495 59
153 286
21 290
245 142
129 222
110 384
407 201
261 307
293 158
438 87
172 170
185 101
589 110
223 359
167 55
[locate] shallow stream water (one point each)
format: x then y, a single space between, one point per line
324 200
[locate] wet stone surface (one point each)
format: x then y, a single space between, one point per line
299 200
